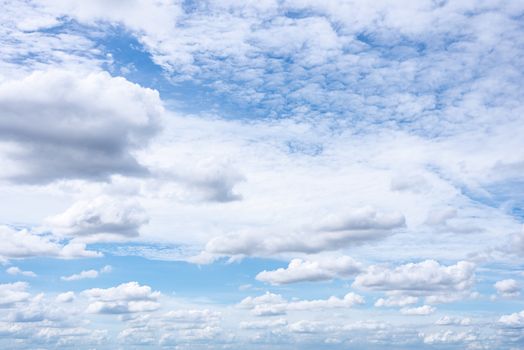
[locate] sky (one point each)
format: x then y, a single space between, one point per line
270 174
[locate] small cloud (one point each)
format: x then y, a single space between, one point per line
13 270
66 297
87 274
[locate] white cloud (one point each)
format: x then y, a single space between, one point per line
125 298
271 304
66 297
24 244
300 270
101 216
151 18
515 320
191 316
396 301
12 293
507 288
408 107
87 274
13 270
428 278
88 140
418 311
450 321
448 337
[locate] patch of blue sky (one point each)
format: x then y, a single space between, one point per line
507 195
131 60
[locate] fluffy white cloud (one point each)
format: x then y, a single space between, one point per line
300 270
428 278
12 293
13 270
508 288
65 297
97 122
514 320
191 316
24 243
101 216
125 298
271 304
396 301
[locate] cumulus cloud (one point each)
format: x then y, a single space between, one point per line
330 233
101 216
300 270
125 298
24 244
96 123
514 320
86 274
13 270
507 288
270 304
12 293
66 297
428 278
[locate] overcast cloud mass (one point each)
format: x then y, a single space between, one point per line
271 174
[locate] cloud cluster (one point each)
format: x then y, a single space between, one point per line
12 293
125 298
438 283
270 304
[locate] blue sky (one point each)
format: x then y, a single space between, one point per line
276 174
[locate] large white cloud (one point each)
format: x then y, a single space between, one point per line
100 216
439 283
300 270
15 244
125 298
94 122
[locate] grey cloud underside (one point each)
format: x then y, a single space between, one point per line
332 233
72 126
